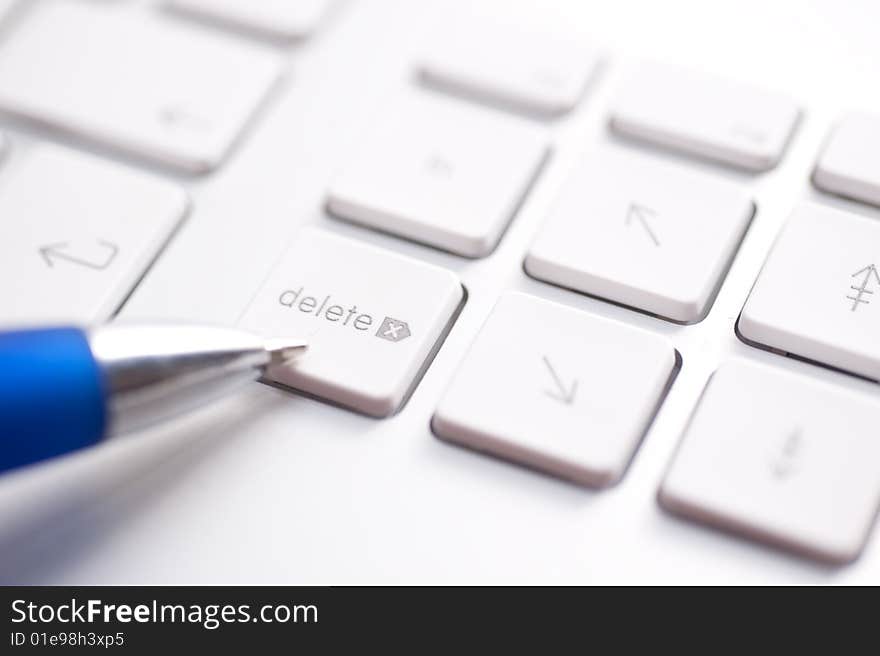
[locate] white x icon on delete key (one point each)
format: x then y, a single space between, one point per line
393 330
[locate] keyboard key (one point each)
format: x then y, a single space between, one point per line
557 389
441 173
818 295
704 116
850 164
78 234
373 319
642 233
798 468
510 66
278 19
139 84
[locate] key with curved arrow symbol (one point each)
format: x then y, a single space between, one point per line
641 214
62 251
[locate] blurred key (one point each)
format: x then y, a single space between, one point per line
705 116
509 65
442 173
850 163
782 459
140 84
279 19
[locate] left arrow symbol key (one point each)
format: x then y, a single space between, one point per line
62 251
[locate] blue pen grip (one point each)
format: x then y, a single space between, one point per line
51 395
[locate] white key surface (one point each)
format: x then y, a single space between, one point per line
780 458
442 173
509 65
280 19
818 294
557 389
643 233
373 319
142 84
6 8
850 162
76 234
705 116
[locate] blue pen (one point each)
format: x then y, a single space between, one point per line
62 389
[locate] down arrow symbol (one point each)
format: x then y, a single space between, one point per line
561 393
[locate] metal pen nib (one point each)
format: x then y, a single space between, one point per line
283 351
157 371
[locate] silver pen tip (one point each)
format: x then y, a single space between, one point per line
283 350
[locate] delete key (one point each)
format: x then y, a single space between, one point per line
373 319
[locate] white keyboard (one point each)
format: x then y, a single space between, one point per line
576 299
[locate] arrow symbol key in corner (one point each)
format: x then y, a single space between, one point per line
561 393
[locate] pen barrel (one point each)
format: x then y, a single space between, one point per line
52 395
154 372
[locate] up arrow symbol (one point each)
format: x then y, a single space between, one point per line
868 270
641 214
862 289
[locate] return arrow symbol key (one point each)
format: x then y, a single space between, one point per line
61 251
